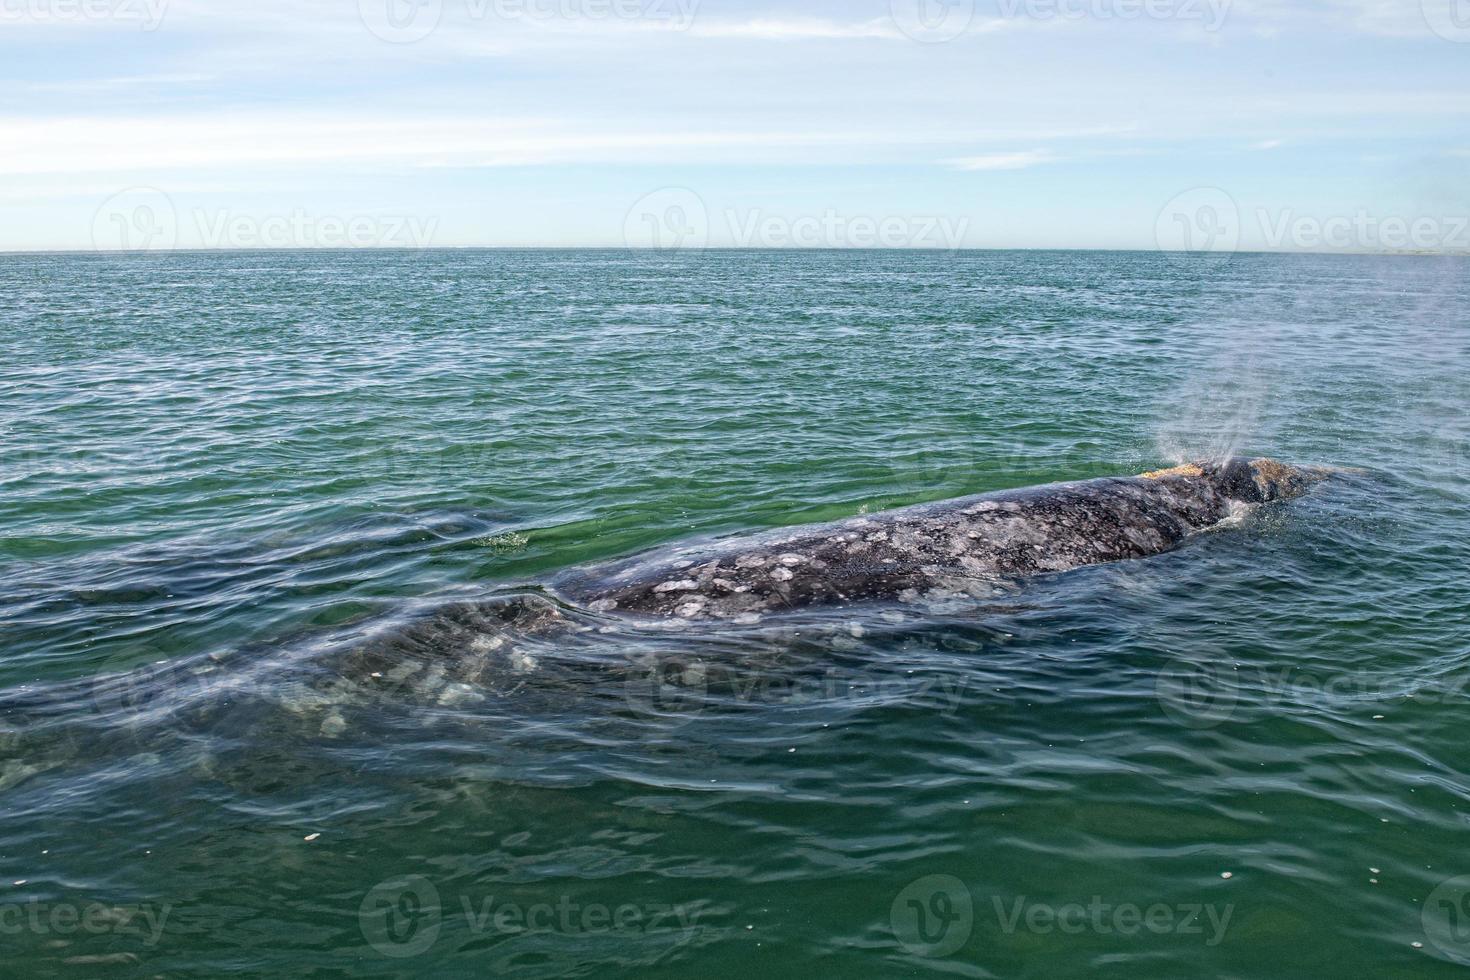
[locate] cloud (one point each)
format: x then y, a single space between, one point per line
1267 145
802 29
1004 161
96 85
191 142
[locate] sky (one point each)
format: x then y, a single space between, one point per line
1318 125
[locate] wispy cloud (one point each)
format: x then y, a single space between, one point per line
193 141
1004 161
1267 144
799 29
119 83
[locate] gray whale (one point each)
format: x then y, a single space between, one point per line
936 551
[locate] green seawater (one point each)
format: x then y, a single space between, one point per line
224 476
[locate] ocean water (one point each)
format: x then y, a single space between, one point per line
259 510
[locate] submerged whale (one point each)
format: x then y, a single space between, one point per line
935 551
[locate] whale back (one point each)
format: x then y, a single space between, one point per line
953 548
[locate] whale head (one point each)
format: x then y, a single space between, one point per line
1259 481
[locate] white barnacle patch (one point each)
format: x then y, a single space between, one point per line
909 595
862 522
485 644
749 561
680 565
746 619
604 605
792 560
522 662
982 507
680 585
690 609
781 574
878 536
456 694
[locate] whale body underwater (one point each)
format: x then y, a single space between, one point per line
461 653
936 551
